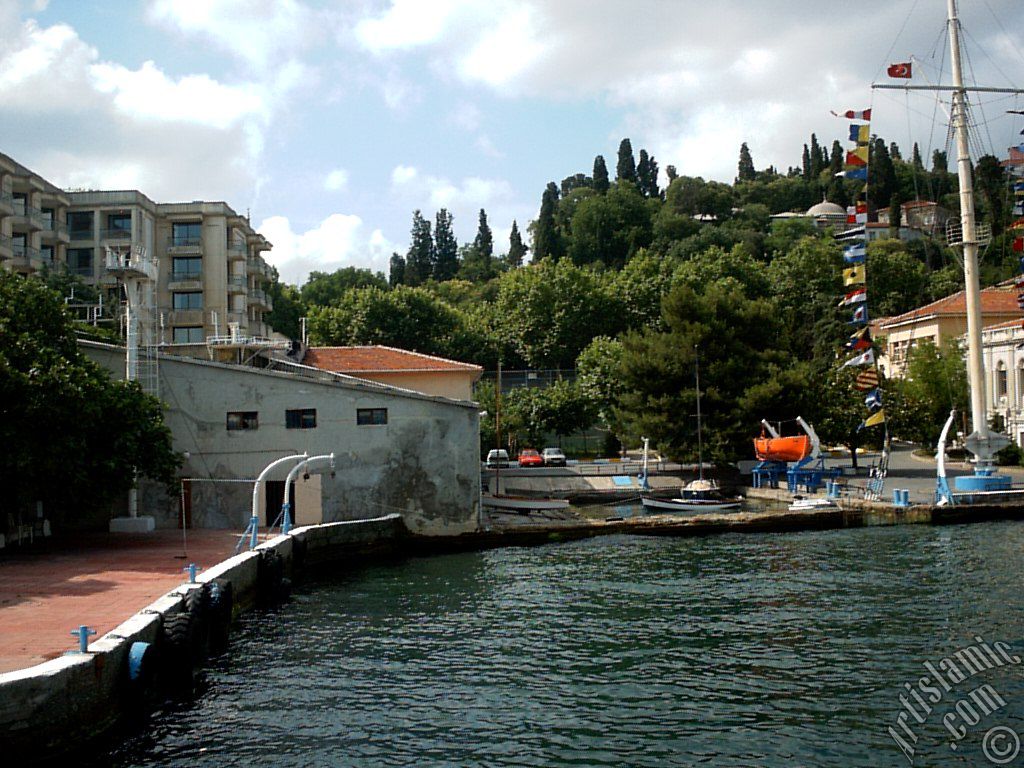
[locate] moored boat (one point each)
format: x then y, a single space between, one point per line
801 504
700 495
521 503
792 448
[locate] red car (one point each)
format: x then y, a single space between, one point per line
528 457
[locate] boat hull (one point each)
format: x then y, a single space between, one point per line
792 448
690 505
522 503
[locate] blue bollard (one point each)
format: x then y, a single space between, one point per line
83 633
286 511
906 497
895 497
254 524
191 568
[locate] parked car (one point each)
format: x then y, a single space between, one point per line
553 457
528 457
497 457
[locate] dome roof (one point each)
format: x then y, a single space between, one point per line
825 208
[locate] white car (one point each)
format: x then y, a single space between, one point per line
497 457
553 457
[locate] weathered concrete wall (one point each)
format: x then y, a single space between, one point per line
424 463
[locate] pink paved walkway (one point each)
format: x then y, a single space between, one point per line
96 579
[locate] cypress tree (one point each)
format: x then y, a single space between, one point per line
601 183
835 165
419 261
516 248
483 244
647 175
817 157
446 248
546 242
396 274
745 169
916 158
805 169
671 173
625 169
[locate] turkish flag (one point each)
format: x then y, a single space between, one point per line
899 70
1018 244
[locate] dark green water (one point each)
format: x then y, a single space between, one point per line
745 650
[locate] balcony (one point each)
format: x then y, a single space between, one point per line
25 259
81 234
183 244
6 205
117 234
238 284
183 280
131 264
5 248
26 217
185 317
237 252
55 231
257 296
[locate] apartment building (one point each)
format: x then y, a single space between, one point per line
33 235
211 277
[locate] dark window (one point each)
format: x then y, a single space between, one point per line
119 222
188 334
187 268
188 300
243 420
186 233
300 418
80 225
46 252
20 203
80 261
371 416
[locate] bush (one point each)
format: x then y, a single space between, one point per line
1010 456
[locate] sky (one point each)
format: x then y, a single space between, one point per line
331 122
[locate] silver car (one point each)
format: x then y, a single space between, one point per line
553 457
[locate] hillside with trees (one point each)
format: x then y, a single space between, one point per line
624 280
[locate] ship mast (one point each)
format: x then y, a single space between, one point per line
982 442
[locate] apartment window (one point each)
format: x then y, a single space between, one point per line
371 416
1001 379
190 268
46 252
119 222
239 420
48 218
186 233
188 334
80 261
188 300
80 225
300 418
19 244
20 203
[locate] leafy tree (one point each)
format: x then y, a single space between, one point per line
547 242
610 228
935 381
639 287
516 248
736 266
396 271
746 170
882 179
647 175
61 415
600 175
419 261
550 311
916 158
326 288
599 377
805 164
446 247
991 183
671 173
576 181
625 168
484 241
288 309
817 157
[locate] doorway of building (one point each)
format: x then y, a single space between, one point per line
274 500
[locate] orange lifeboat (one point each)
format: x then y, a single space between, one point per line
792 448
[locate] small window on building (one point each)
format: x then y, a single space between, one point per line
80 261
119 222
188 334
186 233
188 300
300 418
238 420
80 225
1001 377
371 416
187 269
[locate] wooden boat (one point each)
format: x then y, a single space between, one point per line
697 496
521 503
794 448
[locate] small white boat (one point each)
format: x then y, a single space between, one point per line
697 496
521 503
801 504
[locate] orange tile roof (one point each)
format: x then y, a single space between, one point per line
379 359
1001 326
1000 300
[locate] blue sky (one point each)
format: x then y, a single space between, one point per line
330 122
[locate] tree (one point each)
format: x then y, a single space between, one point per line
935 381
610 228
419 261
882 179
516 248
396 271
647 175
576 181
600 175
74 437
446 247
625 168
671 173
746 170
916 158
817 157
484 241
288 309
805 164
546 238
326 288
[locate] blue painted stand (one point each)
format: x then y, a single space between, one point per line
766 474
985 480
286 523
810 474
191 568
83 633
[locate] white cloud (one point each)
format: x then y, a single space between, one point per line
505 51
337 241
466 116
432 192
336 180
406 24
402 175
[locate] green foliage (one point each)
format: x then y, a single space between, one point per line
897 281
735 266
547 241
446 247
73 436
625 168
806 281
289 308
599 377
745 167
528 414
327 288
601 183
935 381
610 228
516 248
419 261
